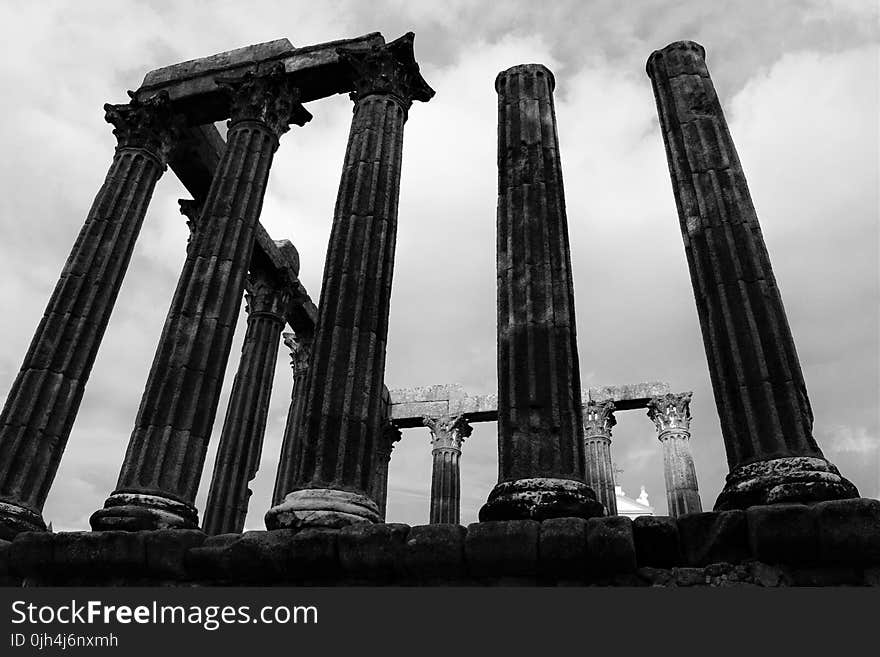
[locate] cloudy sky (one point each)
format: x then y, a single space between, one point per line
799 85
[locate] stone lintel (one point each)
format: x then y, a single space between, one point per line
317 71
410 405
194 159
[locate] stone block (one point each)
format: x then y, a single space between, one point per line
611 545
372 552
849 531
208 564
83 555
31 554
434 553
502 548
314 556
689 576
562 548
260 557
782 533
656 576
657 542
166 550
711 537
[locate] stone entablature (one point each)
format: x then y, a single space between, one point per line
827 544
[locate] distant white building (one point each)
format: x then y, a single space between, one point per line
627 506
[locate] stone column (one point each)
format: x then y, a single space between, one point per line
384 446
447 435
160 475
343 408
300 346
540 420
45 397
766 419
241 441
598 420
671 415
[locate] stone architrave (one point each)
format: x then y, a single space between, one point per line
343 409
384 446
447 435
765 413
241 441
598 420
540 420
671 415
45 397
300 345
166 453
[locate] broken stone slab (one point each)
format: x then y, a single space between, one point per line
317 71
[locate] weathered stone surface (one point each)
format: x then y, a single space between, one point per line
849 531
372 552
656 541
689 576
502 548
314 556
756 376
540 421
656 576
611 545
166 452
562 548
782 533
343 405
540 499
598 421
435 553
628 396
671 415
713 536
44 399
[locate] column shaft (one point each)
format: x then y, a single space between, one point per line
766 419
291 445
598 421
671 414
343 400
160 475
44 399
540 432
447 435
241 441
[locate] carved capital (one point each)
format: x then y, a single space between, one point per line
149 125
390 69
448 430
300 350
671 411
265 296
599 418
388 436
190 209
269 99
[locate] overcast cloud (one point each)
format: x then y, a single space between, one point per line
799 85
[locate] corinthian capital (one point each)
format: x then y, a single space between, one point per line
671 411
149 125
448 431
300 349
599 418
390 69
265 295
269 99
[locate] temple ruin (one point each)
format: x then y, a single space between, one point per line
785 516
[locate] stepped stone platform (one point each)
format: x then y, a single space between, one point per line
830 543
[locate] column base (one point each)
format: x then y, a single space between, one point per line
795 479
139 511
322 508
15 519
540 499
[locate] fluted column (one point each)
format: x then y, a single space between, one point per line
241 441
300 346
166 453
598 420
384 446
671 415
343 409
540 421
46 395
766 419
447 435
